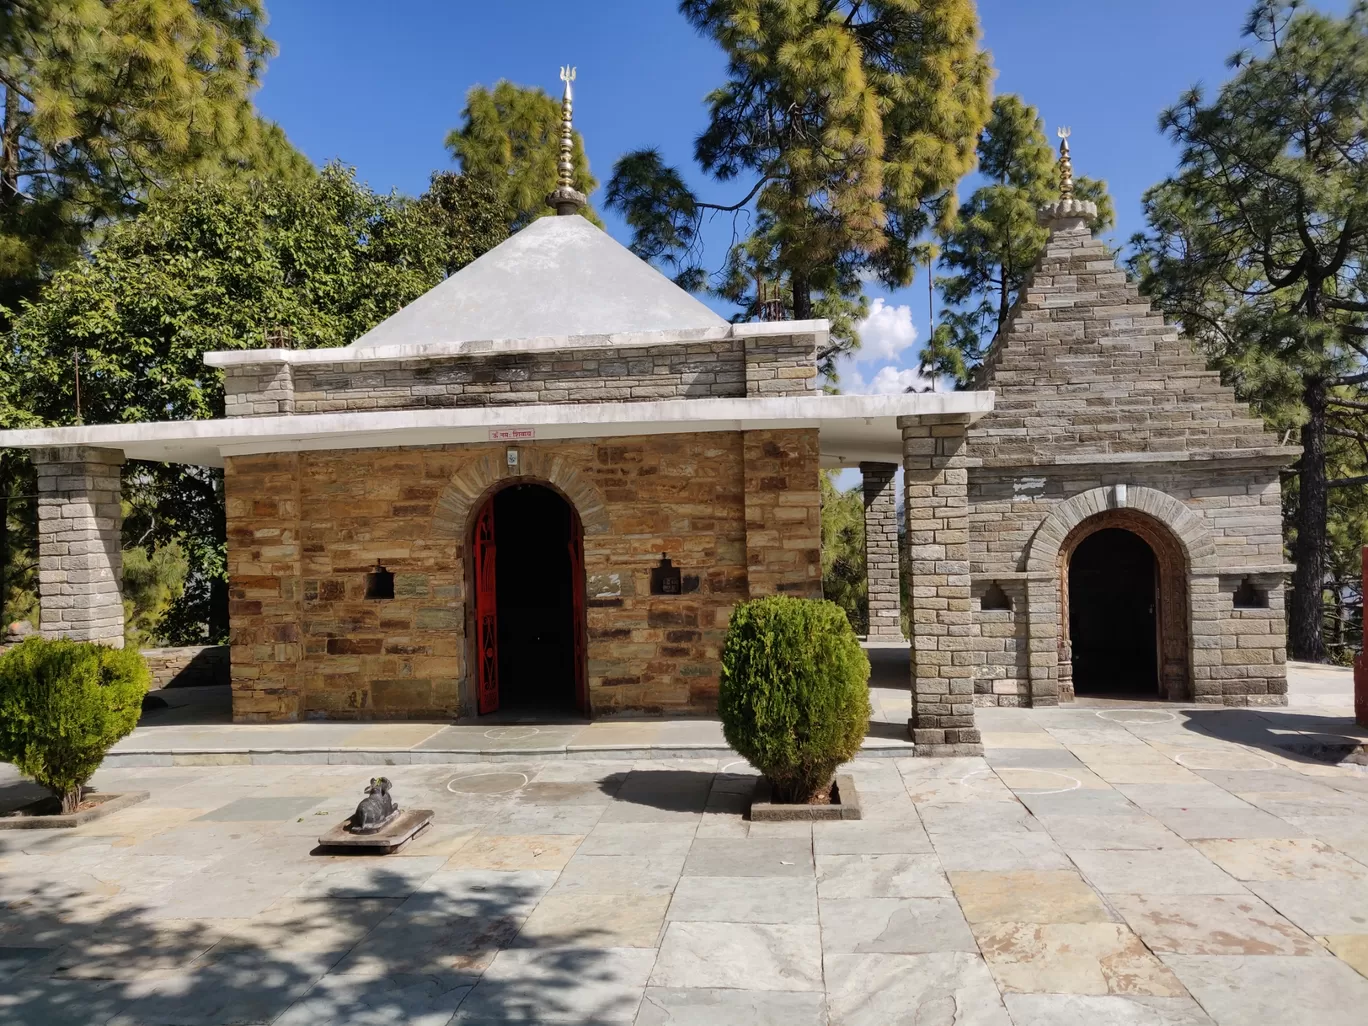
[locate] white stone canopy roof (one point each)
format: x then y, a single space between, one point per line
559 276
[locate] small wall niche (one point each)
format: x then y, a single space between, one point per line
665 578
1249 596
379 583
995 599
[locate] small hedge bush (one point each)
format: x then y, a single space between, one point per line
794 696
62 705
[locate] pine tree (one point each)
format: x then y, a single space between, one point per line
510 138
104 99
995 238
1256 248
846 124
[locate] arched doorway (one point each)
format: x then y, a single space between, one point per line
1113 615
1124 629
528 585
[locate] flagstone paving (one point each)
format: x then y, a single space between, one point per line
1142 867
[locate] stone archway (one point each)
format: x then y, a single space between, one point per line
470 486
1166 524
484 474
1171 616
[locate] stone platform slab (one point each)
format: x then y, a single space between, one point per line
1103 864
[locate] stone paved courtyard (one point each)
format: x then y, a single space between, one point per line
1128 865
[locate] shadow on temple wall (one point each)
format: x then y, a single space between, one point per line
75 951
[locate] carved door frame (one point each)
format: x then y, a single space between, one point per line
483 552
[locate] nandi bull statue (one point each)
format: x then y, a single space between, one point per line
376 810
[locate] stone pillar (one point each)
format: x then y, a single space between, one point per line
80 525
881 551
936 486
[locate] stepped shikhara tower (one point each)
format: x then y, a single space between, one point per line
1125 518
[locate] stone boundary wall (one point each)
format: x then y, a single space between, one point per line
188 666
764 365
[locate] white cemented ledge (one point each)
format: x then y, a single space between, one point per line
342 355
853 428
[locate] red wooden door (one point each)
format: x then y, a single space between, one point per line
486 612
579 627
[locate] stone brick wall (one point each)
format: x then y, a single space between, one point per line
187 666
881 551
740 365
305 528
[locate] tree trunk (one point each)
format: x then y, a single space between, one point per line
71 800
1304 637
4 539
9 151
802 297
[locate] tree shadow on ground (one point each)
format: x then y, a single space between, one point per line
1301 737
682 791
74 950
16 791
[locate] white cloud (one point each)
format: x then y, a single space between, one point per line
886 332
891 380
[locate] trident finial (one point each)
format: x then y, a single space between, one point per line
1066 184
566 199
567 166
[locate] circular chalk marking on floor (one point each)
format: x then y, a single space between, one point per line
487 783
967 779
1005 772
739 762
1136 716
511 733
1212 760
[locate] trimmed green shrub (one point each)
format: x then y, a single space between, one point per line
794 697
62 705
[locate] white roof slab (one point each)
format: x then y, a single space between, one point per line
852 428
559 276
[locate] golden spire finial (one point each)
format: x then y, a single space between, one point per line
566 199
1066 185
567 167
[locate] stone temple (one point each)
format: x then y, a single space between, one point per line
544 484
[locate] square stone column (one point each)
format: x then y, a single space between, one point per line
881 551
936 485
80 558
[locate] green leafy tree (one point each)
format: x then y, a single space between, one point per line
995 238
510 137
1257 247
103 99
843 552
845 123
222 264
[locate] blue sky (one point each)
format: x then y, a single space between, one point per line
379 86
